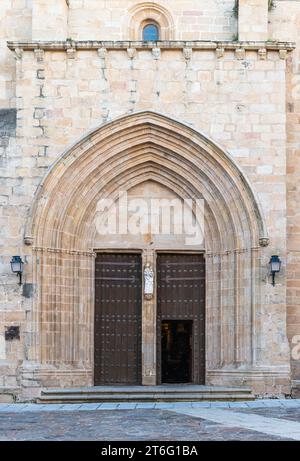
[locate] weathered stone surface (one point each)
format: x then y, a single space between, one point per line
8 123
253 19
243 96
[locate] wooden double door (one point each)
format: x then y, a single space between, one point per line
180 338
118 319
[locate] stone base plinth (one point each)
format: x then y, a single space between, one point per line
264 382
35 378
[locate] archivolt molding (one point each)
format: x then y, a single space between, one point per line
120 155
146 12
132 149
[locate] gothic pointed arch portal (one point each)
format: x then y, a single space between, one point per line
126 153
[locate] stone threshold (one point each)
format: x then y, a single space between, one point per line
170 44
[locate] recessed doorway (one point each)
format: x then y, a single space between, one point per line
180 318
176 351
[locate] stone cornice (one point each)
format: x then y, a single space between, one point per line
174 44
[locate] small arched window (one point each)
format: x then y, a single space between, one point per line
150 33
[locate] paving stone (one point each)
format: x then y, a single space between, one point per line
236 404
127 406
3 406
71 406
89 406
291 403
164 405
220 405
182 404
17 408
256 404
38 408
272 403
247 420
145 424
52 407
201 405
285 412
145 405
109 406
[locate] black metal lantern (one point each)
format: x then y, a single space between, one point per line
275 266
17 267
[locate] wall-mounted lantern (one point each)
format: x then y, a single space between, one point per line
275 266
17 267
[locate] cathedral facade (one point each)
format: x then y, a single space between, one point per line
169 100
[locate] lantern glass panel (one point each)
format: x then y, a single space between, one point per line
16 264
275 264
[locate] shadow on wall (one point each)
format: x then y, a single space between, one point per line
8 122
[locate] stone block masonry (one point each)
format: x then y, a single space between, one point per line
8 122
72 68
236 98
253 19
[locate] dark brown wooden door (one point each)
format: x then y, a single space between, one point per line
118 290
181 296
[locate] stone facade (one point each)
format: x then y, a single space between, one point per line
284 24
85 106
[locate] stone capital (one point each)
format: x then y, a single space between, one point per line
28 240
264 241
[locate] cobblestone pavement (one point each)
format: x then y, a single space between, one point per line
118 425
247 420
291 414
257 420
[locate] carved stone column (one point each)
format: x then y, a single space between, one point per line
149 320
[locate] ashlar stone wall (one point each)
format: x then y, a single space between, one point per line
235 97
192 19
16 24
238 94
284 25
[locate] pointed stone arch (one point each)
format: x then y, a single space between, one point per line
152 141
121 154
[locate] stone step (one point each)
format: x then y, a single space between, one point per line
81 398
116 390
144 394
